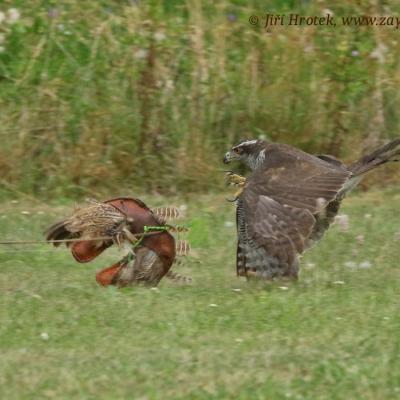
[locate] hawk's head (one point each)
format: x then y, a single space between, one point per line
249 152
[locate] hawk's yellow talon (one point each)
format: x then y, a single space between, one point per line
235 179
236 195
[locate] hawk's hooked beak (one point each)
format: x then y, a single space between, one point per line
229 156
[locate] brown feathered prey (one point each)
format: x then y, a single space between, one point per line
289 200
97 226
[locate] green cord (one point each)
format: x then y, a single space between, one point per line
155 228
147 229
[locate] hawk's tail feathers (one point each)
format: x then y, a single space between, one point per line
382 155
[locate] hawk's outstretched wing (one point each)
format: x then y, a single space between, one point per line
277 209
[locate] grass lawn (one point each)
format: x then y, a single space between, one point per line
333 335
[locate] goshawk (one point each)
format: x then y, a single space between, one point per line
289 200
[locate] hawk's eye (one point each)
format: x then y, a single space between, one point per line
238 150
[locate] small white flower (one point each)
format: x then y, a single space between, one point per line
338 283
237 290
283 288
379 53
140 54
213 305
327 11
25 212
343 222
238 340
338 318
386 318
169 84
228 224
365 265
350 264
13 15
44 336
310 265
367 216
155 289
159 36
14 201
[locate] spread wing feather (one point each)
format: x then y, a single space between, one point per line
278 207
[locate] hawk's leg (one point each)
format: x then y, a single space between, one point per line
237 181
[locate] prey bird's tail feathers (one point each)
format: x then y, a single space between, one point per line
58 231
182 247
173 276
165 213
382 155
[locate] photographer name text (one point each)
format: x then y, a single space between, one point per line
273 20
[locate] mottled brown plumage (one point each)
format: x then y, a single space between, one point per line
120 221
289 200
